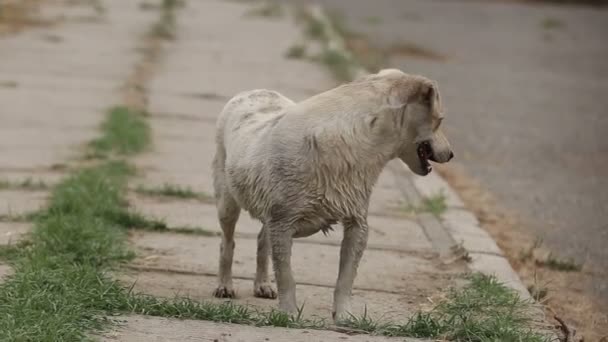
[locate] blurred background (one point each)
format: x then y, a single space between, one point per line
525 86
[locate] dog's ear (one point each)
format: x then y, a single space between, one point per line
429 94
408 89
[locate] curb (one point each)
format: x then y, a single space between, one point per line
456 226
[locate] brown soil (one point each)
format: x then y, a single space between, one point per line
565 291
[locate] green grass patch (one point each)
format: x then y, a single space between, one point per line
26 184
135 220
175 191
124 132
484 310
166 26
435 205
338 65
59 288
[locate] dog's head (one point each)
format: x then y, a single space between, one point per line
413 114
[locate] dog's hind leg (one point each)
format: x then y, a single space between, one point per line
281 239
228 214
261 285
351 251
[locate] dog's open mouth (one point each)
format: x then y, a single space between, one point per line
425 153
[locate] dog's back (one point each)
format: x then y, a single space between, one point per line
242 127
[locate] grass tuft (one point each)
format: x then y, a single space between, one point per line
166 26
296 51
484 310
435 205
193 231
125 132
176 191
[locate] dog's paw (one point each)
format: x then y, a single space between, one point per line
264 291
224 292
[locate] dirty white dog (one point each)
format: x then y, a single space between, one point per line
301 167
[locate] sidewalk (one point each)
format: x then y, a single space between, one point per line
73 72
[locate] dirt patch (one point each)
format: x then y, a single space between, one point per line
563 293
15 15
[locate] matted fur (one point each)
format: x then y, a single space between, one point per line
301 167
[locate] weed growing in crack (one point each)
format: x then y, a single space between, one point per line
296 51
435 205
175 191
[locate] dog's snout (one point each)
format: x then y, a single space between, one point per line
451 155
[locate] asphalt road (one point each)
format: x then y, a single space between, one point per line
526 91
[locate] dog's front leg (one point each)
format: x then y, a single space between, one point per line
281 239
351 251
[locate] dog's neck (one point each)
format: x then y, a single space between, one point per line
338 125
338 139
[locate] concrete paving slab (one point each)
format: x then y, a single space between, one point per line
13 202
142 328
317 300
380 270
13 232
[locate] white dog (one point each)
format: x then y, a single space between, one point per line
301 167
